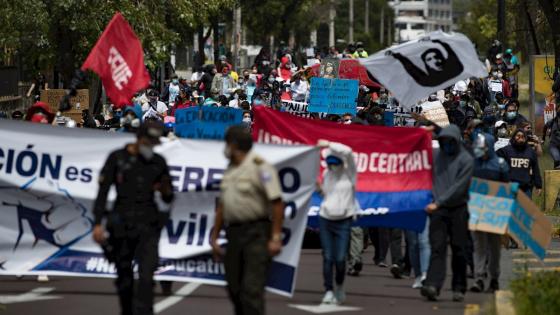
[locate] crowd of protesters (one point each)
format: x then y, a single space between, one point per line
487 137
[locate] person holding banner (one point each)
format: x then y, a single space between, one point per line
487 246
251 208
135 223
338 208
453 167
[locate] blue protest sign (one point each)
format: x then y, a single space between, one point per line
333 96
206 122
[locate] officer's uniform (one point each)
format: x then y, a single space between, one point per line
246 194
134 224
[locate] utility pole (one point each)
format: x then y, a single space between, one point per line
351 21
366 24
236 35
332 14
382 26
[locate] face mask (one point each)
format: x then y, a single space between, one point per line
175 81
448 147
258 102
502 106
377 117
500 75
479 152
118 115
146 151
270 79
227 153
463 104
511 115
247 120
235 96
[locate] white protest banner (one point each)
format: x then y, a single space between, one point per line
299 109
418 68
48 181
434 111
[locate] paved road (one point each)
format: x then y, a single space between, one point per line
374 292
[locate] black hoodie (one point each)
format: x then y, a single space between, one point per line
523 164
452 173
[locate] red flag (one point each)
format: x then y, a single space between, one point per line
118 59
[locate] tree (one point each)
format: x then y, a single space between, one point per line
551 10
58 34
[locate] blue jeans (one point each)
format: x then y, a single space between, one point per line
335 239
419 249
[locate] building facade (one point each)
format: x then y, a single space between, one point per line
415 18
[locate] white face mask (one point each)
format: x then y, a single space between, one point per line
500 75
146 151
247 120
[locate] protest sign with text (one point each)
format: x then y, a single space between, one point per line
49 182
501 208
299 109
333 96
206 122
435 112
394 164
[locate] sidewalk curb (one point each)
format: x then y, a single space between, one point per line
504 305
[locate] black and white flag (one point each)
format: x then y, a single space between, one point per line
415 69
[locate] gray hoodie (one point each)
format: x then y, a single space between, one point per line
452 173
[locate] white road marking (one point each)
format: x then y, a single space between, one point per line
180 294
31 296
325 308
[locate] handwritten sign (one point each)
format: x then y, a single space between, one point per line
78 103
501 208
434 111
333 96
206 122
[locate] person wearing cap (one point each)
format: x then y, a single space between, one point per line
172 90
501 133
17 115
251 209
337 209
40 112
134 224
487 245
360 52
154 107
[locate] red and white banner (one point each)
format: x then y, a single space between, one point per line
118 59
394 163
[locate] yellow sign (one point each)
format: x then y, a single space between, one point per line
543 67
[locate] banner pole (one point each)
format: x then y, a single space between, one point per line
532 90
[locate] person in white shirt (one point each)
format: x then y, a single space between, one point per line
196 75
299 89
154 107
335 216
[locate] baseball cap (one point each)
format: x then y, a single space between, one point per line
331 159
499 124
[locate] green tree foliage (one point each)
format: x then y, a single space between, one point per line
60 33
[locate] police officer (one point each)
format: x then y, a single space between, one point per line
134 224
251 210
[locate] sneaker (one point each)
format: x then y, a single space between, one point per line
429 292
458 296
358 266
43 278
478 286
417 283
339 295
494 286
382 264
396 271
329 298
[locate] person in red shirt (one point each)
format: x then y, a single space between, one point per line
183 100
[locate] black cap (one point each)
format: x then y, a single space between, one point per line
151 130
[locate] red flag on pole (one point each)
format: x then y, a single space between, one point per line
118 59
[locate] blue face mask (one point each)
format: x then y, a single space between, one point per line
463 104
175 81
511 115
118 114
258 102
502 106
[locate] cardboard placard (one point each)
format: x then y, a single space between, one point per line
551 190
500 208
78 102
435 112
299 109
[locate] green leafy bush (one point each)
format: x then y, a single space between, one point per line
537 293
